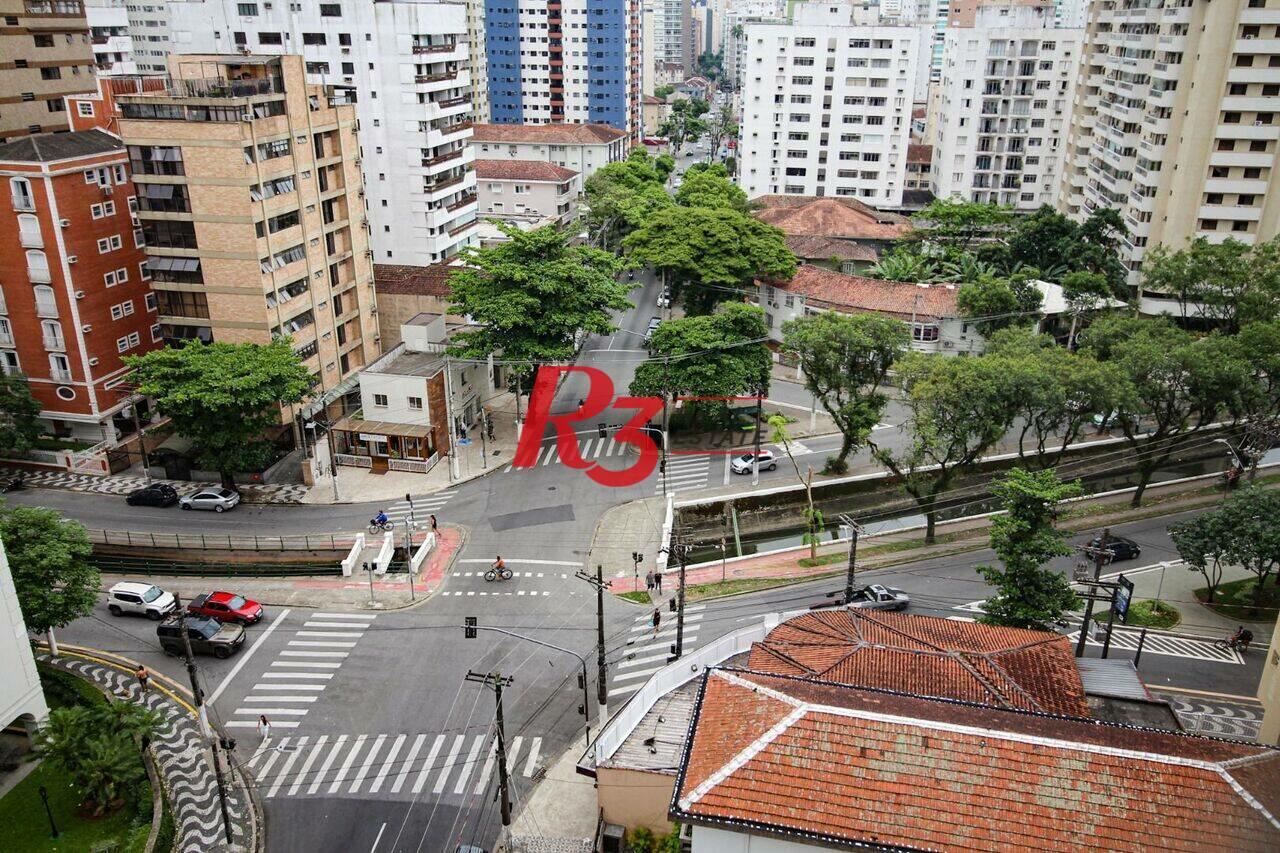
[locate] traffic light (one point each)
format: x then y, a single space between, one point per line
604 430
469 627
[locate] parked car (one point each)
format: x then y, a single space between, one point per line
207 636
218 500
744 465
226 607
1120 547
877 597
653 324
143 599
157 494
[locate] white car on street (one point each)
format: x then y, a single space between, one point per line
216 499
743 464
142 599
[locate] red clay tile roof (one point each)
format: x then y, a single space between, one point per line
929 656
555 134
919 153
847 767
844 218
822 248
854 294
522 170
413 281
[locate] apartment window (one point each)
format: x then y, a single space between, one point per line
317 68
109 244
247 10
150 301
924 333
330 10
56 105
124 309
50 73
41 40
122 344
380 401
59 367
84 108
415 403
270 38
314 38
348 68
156 333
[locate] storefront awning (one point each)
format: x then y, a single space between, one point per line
349 424
340 390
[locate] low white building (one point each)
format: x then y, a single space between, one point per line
581 147
1004 105
527 192
129 36
22 698
826 106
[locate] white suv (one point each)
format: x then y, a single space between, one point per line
142 598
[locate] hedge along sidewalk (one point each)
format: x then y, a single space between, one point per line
791 565
180 753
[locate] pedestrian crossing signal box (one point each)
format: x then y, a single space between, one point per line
469 627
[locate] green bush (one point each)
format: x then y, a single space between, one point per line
835 465
641 840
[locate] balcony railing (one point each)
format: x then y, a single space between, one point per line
462 202
39 275
443 158
435 48
455 128
217 87
23 202
454 102
436 186
436 78
47 310
59 375
52 342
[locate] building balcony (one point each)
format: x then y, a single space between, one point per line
447 47
464 227
218 88
435 188
435 78
55 343
442 159
463 201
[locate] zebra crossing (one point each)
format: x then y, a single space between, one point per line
685 472
390 766
422 507
591 448
1158 643
644 653
301 671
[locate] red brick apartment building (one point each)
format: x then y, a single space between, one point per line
76 293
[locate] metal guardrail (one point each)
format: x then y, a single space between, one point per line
135 566
225 542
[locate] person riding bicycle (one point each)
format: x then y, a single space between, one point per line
380 519
1241 638
498 564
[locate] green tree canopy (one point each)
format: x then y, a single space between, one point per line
1083 291
19 416
711 187
530 296
845 359
1056 245
49 558
958 408
949 222
684 123
620 197
1027 594
96 746
721 355
711 65
1250 514
1228 283
720 127
223 397
997 303
1204 543
904 263
1175 385
708 252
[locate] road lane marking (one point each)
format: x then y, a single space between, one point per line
438 787
356 634
288 765
244 658
324 675
252 699
367 616
283 712
483 779
366 764
322 645
381 830
328 762
289 654
292 664
427 763
302 688
472 757
272 758
534 749
306 765
386 764
403 775
346 765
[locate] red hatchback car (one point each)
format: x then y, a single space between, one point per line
226 607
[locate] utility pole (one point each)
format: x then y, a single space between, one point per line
497 682
677 649
598 581
198 696
1099 555
755 460
854 530
665 395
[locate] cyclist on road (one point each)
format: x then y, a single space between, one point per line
498 564
379 520
1241 638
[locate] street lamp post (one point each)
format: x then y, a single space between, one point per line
44 798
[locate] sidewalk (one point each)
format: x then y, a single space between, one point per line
180 754
261 493
332 592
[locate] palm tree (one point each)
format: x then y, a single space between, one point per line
966 268
108 769
900 265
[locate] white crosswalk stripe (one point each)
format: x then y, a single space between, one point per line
423 507
590 448
1164 644
645 653
379 766
301 671
684 472
530 592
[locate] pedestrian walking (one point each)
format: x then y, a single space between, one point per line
657 580
264 727
144 677
434 526
657 620
648 580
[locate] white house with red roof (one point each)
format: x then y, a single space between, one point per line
527 193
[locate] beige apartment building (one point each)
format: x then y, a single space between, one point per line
45 55
251 205
1176 122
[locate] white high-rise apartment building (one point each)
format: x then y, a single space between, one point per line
406 66
826 106
735 46
129 37
1176 124
479 60
1004 104
673 33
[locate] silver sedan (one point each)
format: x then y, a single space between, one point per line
217 499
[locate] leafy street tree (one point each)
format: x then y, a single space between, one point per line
620 197
1175 385
684 123
1228 283
49 558
531 296
664 92
1027 594
1204 544
845 359
961 224
958 409
1259 345
711 65
1250 515
710 186
19 416
1056 245
997 303
1083 291
706 253
223 397
710 355
720 127
778 434
1058 392
97 747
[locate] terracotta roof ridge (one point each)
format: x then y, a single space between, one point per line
799 709
1244 794
772 650
963 658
